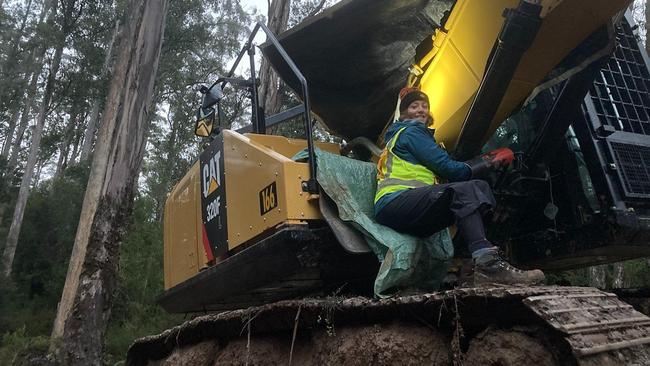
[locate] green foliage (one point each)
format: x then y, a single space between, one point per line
40 266
201 37
637 273
27 307
579 277
634 273
18 348
300 9
28 304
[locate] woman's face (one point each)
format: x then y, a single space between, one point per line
418 110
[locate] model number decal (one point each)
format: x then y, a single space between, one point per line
213 209
268 198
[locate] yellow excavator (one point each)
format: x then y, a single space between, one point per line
562 82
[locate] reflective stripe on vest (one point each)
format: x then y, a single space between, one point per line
396 174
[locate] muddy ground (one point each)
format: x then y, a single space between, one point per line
387 344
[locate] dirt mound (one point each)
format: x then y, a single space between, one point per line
391 344
380 345
495 347
198 354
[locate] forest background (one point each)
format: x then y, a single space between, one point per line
54 72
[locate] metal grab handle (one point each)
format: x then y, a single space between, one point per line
310 185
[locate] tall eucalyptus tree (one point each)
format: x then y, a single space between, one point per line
85 306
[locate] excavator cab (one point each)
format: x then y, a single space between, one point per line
248 224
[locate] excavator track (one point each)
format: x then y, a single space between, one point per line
586 326
596 324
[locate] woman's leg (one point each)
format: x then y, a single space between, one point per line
427 210
472 199
472 232
420 211
424 211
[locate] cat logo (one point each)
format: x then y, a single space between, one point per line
268 198
211 174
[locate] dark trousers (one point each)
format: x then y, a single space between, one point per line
427 210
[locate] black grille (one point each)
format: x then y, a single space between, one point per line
621 91
633 164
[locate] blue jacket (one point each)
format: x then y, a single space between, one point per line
417 145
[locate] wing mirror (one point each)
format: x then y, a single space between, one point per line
211 96
205 118
206 115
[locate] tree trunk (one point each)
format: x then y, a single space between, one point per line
11 129
647 27
11 93
19 211
269 96
618 275
12 64
36 58
85 306
28 104
89 134
597 276
64 147
76 145
94 116
40 163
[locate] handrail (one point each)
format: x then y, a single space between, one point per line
310 185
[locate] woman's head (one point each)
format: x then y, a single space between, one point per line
414 105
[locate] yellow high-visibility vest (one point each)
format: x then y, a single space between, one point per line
396 174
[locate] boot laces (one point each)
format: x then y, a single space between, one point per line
498 261
507 266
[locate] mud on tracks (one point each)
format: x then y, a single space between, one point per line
490 326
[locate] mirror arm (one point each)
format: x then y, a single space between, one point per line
234 81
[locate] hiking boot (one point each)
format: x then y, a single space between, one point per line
491 268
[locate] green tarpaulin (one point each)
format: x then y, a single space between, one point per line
408 263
